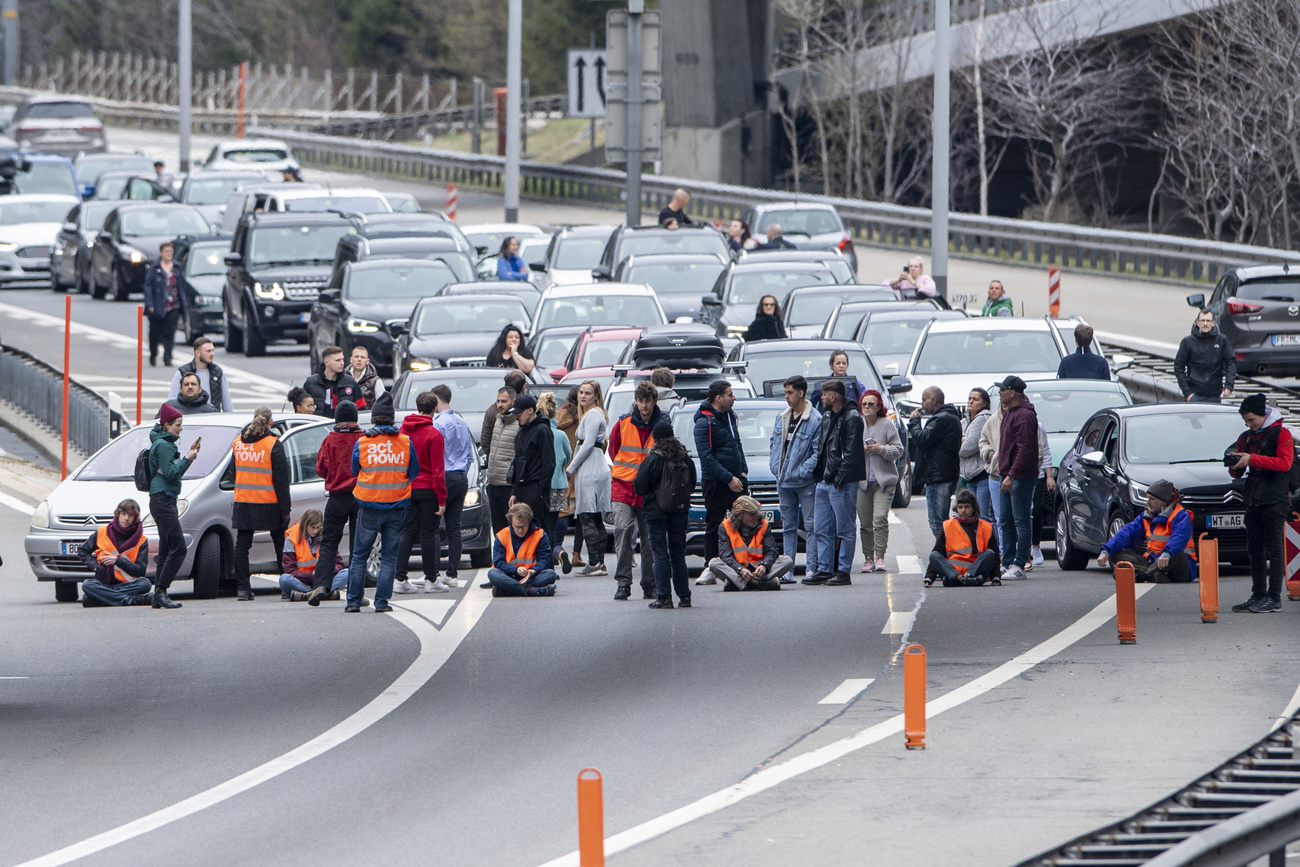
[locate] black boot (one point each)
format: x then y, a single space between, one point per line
624 591
162 600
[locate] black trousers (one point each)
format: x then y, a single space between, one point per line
457 488
498 502
592 528
718 498
538 498
163 332
422 523
340 512
244 544
171 540
1042 512
1179 570
1264 545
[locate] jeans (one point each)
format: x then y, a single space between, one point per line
171 540
1197 398
783 565
1264 545
985 496
833 525
938 504
668 544
1016 507
116 592
873 518
718 498
508 585
288 584
592 525
629 523
162 331
984 568
340 512
244 544
421 522
797 502
994 489
385 525
1178 571
1042 512
457 488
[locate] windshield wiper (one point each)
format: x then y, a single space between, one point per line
1197 461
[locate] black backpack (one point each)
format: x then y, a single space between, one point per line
673 493
143 471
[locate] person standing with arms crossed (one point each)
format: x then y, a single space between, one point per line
334 465
261 494
722 459
458 452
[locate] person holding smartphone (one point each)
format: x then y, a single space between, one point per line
164 487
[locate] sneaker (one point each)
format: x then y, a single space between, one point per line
868 565
352 609
668 603
684 603
244 596
706 577
565 563
622 593
1267 605
594 570
1248 604
548 590
1015 573
818 578
841 579
298 596
451 583
331 597
436 587
880 565
403 587
787 578
383 608
1036 555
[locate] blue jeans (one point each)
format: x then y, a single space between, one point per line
668 547
118 592
835 522
508 585
938 503
994 488
985 497
288 584
385 525
1015 510
793 502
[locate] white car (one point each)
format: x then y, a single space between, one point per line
570 256
600 306
29 230
266 154
487 237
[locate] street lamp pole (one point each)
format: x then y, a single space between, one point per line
514 83
184 67
939 169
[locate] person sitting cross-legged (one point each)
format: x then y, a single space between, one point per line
521 557
747 555
966 548
1147 540
118 553
301 553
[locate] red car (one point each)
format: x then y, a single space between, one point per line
596 348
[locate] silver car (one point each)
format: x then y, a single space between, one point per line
807 225
58 125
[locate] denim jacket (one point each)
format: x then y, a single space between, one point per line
801 460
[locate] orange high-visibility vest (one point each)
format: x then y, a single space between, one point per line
526 556
382 477
253 470
746 553
630 455
1156 542
301 549
960 553
104 547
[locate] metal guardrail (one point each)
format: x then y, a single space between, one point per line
36 387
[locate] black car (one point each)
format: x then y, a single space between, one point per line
455 331
70 258
128 244
1258 310
679 279
847 319
732 303
473 390
806 310
521 289
278 263
1120 451
640 240
405 225
202 275
368 300
435 248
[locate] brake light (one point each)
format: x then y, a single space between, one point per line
23 129
1235 306
95 127
846 243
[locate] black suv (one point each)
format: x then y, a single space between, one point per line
1258 310
640 240
359 248
278 264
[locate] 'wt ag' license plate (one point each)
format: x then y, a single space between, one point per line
1227 522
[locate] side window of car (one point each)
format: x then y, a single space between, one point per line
74 216
300 448
1111 439
1090 437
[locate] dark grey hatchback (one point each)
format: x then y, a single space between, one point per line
1258 310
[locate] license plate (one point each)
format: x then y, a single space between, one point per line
1286 339
303 317
1227 522
71 548
59 135
768 514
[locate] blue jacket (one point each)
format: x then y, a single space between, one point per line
511 268
1133 535
563 452
543 549
155 291
412 469
801 458
717 442
1082 364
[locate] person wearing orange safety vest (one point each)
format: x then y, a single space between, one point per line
262 500
118 554
965 549
747 554
302 552
385 464
1158 543
630 440
521 557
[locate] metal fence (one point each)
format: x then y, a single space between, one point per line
36 388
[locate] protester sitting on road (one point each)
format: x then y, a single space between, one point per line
591 476
853 388
998 303
360 368
168 469
966 551
767 324
332 384
262 494
192 397
301 554
676 209
747 556
664 482
211 377
302 402
912 282
510 350
1147 541
509 264
521 557
1205 365
883 448
774 239
118 553
1083 363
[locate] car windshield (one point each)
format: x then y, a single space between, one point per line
397 282
754 425
748 287
813 308
551 349
492 239
292 244
469 391
17 213
93 213
765 366
1285 291
212 190
964 352
680 241
116 462
579 254
91 167
1065 411
255 155
111 187
598 310
800 221
680 278
346 204
402 203
892 336
470 317
602 353
47 178
1180 437
207 260
59 111
170 221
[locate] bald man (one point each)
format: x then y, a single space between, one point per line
676 209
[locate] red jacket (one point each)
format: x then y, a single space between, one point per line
334 460
1018 449
426 441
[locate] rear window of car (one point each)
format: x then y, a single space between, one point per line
255 155
1285 291
681 241
116 462
578 254
47 178
346 204
59 111
800 221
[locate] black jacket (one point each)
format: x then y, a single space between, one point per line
1205 365
534 462
841 460
155 292
765 327
722 456
216 382
265 516
679 216
201 403
647 480
776 244
329 393
934 447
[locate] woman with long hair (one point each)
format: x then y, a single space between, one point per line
510 266
767 324
591 475
971 464
510 350
558 500
882 447
259 459
739 238
566 421
853 388
300 557
666 528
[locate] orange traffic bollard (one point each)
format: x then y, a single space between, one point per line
1054 290
914 696
1290 551
1209 563
591 818
1125 604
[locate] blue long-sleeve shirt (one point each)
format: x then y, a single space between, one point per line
412 468
1133 535
543 549
457 441
511 268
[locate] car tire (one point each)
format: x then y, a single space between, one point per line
1115 524
903 490
480 559
55 283
121 292
80 281
208 567
254 342
65 591
96 291
1068 557
373 562
234 338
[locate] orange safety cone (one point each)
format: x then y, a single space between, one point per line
1125 603
591 818
914 696
1291 555
1209 563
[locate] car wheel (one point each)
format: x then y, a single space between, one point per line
372 563
254 342
1068 557
208 567
96 291
80 280
313 360
1115 524
903 490
55 283
480 559
121 291
65 591
234 338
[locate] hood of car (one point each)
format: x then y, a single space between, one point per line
444 346
1201 478
565 277
23 234
74 497
380 310
146 244
208 284
304 273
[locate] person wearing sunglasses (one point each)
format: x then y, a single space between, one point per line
767 323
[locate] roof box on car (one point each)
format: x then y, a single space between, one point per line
680 346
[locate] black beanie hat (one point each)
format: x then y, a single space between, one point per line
346 411
382 411
1255 405
662 430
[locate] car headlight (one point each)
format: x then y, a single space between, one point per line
471 498
275 291
362 326
1137 493
208 300
7 248
181 507
420 364
136 257
736 330
41 514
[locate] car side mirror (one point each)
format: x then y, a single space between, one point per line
104 238
711 301
1120 362
482 463
1197 300
539 267
900 385
69 227
328 296
600 272
558 373
1093 459
482 251
397 329
233 259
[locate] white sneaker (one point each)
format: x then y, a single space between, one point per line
1015 573
706 577
1036 556
436 587
451 583
403 587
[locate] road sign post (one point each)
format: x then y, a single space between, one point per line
632 106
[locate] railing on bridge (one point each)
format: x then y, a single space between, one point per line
35 388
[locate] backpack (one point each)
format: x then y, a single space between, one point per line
143 471
673 493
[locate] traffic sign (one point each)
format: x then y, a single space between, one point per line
587 82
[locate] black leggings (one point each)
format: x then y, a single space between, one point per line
592 526
171 540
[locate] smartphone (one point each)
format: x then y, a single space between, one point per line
198 442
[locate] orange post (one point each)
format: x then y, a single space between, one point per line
914 696
1290 552
67 360
1125 604
139 363
1209 563
451 201
591 818
1054 290
239 118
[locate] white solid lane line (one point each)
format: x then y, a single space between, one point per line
909 564
894 519
16 504
1291 708
435 649
774 775
845 692
899 623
